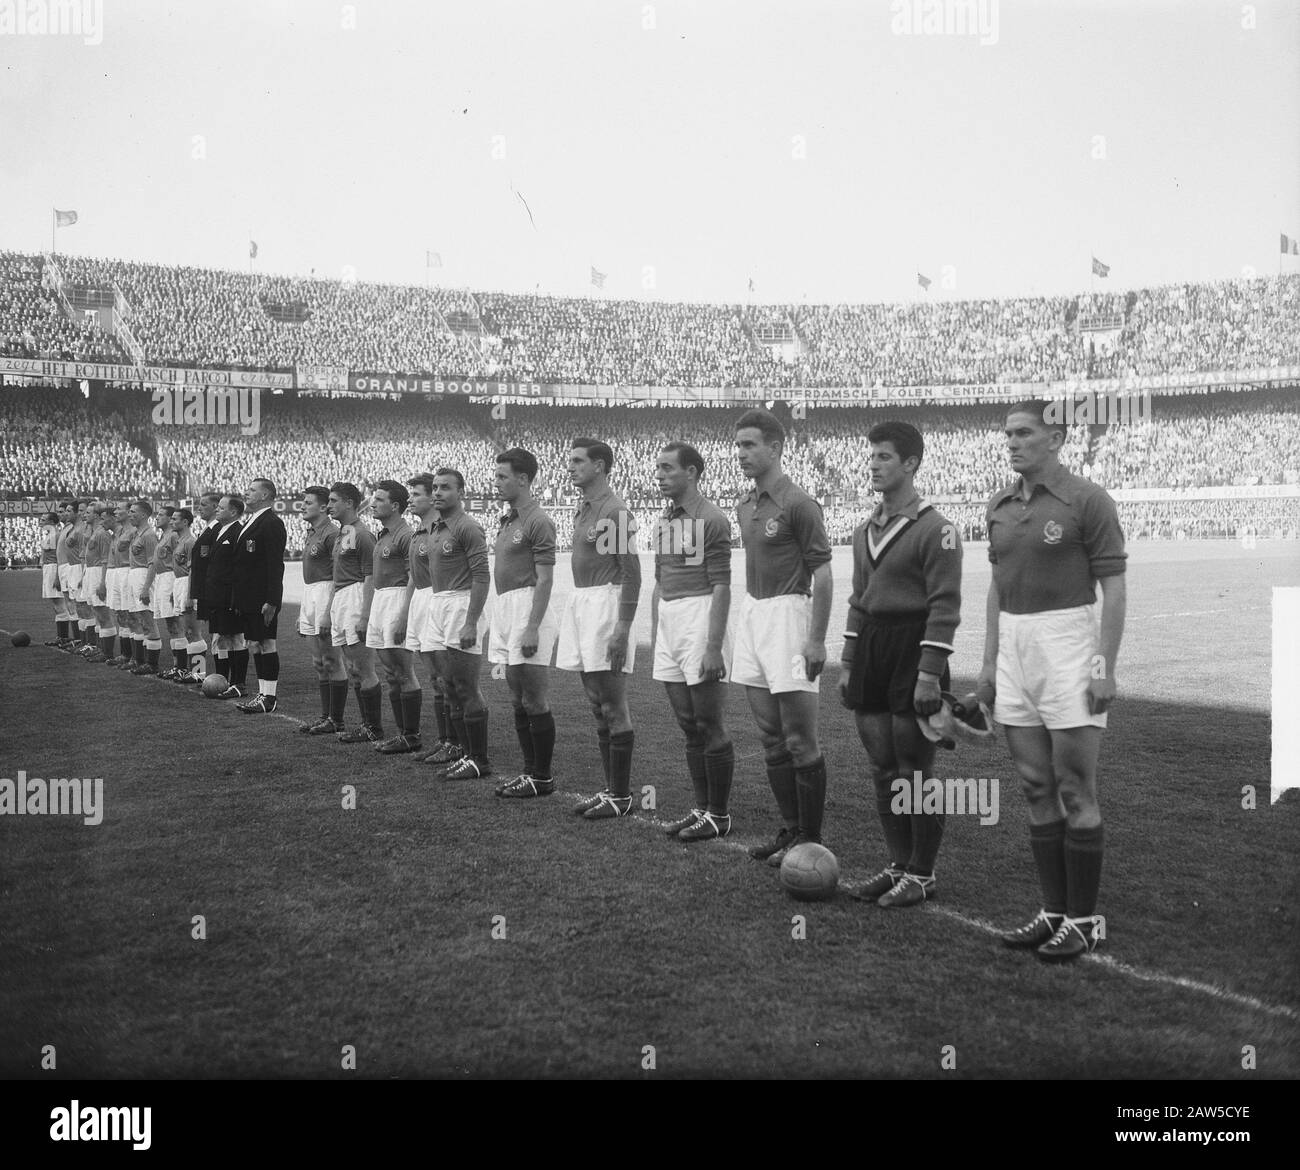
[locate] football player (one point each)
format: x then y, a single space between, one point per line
903 613
51 534
1049 670
595 631
158 585
140 553
386 629
314 612
524 629
354 568
97 547
780 638
116 581
689 609
188 648
74 543
63 528
458 566
418 641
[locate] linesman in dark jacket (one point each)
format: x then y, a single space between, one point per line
227 641
257 589
199 559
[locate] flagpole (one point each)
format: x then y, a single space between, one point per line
54 223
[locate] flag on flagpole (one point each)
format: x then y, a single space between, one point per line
751 284
432 259
923 281
597 277
1100 269
1290 247
64 218
252 249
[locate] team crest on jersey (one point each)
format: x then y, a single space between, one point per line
771 528
591 534
386 551
203 552
314 550
422 549
448 547
1052 532
517 537
250 545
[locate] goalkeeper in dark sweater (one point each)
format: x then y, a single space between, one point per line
903 613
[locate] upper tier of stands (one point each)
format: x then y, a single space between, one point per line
216 318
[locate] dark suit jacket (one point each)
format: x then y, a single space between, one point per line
259 564
221 569
200 558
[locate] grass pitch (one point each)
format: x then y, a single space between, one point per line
444 933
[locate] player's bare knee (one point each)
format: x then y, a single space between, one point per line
801 746
690 729
714 735
1036 785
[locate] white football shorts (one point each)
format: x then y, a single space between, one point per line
136 577
164 605
681 637
345 614
1045 662
90 583
117 586
586 627
387 627
181 594
769 639
314 611
447 613
417 621
511 615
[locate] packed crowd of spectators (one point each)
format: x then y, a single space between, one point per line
630 343
213 317
210 317
1211 519
54 442
937 342
1203 442
33 324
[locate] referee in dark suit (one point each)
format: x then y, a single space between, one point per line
257 589
199 559
227 638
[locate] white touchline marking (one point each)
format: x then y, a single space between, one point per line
1105 961
1210 989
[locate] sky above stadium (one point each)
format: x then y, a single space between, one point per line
827 151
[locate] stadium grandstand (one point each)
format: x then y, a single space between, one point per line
1192 416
